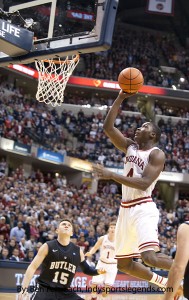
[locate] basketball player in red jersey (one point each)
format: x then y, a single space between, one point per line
137 226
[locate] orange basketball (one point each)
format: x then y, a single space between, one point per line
130 80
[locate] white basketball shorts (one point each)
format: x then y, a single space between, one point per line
137 230
109 277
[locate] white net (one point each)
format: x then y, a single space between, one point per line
53 77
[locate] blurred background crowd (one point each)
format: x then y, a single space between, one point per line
31 207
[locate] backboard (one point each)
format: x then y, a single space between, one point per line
63 27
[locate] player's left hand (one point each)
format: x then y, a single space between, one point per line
101 172
23 295
179 293
177 296
101 271
88 254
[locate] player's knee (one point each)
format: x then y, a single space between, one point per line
124 265
149 258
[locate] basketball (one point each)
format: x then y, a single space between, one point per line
130 80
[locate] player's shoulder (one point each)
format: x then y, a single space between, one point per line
183 228
101 238
51 243
157 152
75 247
155 149
132 145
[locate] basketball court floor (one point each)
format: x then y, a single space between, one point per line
11 296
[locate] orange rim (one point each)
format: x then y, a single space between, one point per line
67 61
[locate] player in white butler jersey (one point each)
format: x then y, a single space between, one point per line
137 226
107 261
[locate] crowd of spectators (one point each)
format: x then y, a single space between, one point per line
172 111
176 56
131 47
27 121
138 48
30 209
95 146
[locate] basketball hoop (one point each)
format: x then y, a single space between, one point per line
53 77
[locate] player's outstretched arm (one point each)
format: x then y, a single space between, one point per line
87 269
42 253
95 247
151 172
178 267
116 137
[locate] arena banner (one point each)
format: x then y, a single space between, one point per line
15 40
50 156
105 84
161 7
22 148
6 144
76 14
13 273
164 176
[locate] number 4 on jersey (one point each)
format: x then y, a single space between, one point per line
130 173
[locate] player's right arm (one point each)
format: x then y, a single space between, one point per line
42 253
178 267
116 137
95 247
87 269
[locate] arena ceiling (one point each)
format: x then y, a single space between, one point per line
135 13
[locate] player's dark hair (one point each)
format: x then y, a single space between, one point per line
112 224
67 220
157 131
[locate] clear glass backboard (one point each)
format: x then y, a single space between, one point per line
62 27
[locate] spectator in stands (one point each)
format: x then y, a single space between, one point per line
83 231
3 167
91 239
22 246
26 226
36 249
31 244
11 246
2 242
17 232
4 228
64 181
106 188
34 231
113 188
4 254
15 255
29 256
82 243
43 233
